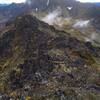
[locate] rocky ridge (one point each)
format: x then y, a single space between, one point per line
38 62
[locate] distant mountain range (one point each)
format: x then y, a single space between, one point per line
97 4
14 9
80 10
3 5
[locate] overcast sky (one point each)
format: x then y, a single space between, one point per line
19 1
89 0
11 1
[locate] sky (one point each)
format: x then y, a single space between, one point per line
89 0
19 1
11 1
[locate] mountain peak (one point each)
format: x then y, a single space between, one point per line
24 21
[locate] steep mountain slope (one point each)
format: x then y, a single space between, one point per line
38 62
51 4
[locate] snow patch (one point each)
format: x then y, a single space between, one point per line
69 8
48 1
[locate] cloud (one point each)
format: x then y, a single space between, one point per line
89 0
81 24
53 17
11 1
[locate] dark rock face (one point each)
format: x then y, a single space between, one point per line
46 61
42 4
